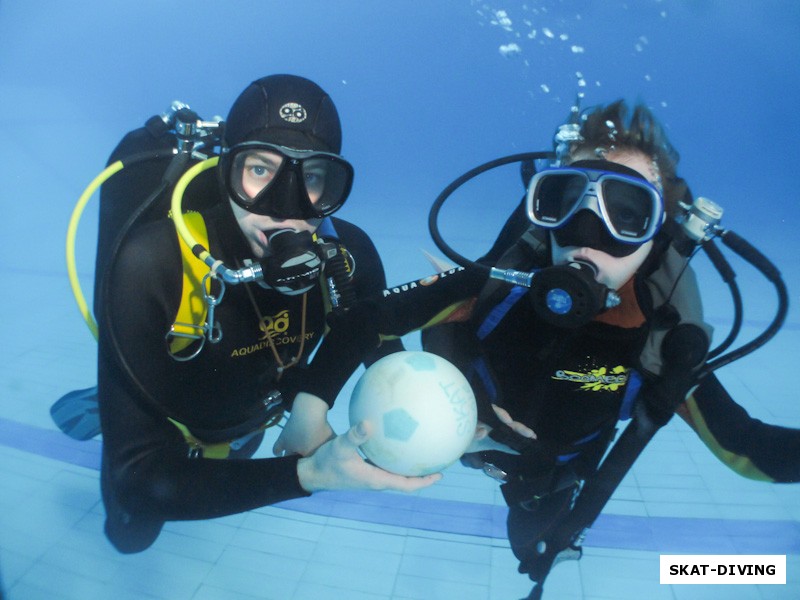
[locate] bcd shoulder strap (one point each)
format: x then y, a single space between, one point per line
673 289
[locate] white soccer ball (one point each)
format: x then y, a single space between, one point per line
422 411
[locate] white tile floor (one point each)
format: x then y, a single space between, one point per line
445 542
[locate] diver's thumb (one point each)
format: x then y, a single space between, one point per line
279 448
359 433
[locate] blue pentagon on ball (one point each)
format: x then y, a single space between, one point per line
399 425
421 361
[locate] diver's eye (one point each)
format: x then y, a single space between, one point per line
627 217
258 171
255 170
314 173
314 180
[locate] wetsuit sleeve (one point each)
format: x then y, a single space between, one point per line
369 277
146 468
442 298
748 446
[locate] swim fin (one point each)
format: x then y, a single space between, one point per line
77 414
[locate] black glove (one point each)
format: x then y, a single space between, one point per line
683 351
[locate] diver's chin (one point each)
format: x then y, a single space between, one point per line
259 245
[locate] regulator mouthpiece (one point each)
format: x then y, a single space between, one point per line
569 295
294 266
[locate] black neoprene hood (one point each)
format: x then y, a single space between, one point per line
286 110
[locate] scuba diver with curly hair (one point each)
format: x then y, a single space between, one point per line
206 318
603 323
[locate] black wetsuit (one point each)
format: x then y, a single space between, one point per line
147 475
570 386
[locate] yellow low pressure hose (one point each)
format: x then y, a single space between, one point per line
72 231
177 213
251 272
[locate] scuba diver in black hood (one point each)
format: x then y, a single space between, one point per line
603 323
201 330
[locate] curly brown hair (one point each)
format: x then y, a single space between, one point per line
616 127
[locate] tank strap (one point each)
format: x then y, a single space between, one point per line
189 325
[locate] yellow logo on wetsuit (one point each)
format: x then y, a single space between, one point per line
273 333
596 380
274 325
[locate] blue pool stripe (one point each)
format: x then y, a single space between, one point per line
654 534
50 443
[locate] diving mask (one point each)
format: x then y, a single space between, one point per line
284 183
631 208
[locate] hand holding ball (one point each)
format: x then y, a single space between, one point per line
423 411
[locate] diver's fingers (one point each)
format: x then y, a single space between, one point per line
518 427
379 478
481 431
339 465
279 447
401 483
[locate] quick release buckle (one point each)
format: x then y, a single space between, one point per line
495 472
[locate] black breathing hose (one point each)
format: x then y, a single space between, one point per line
725 270
433 215
753 256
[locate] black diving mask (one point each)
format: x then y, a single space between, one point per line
284 183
